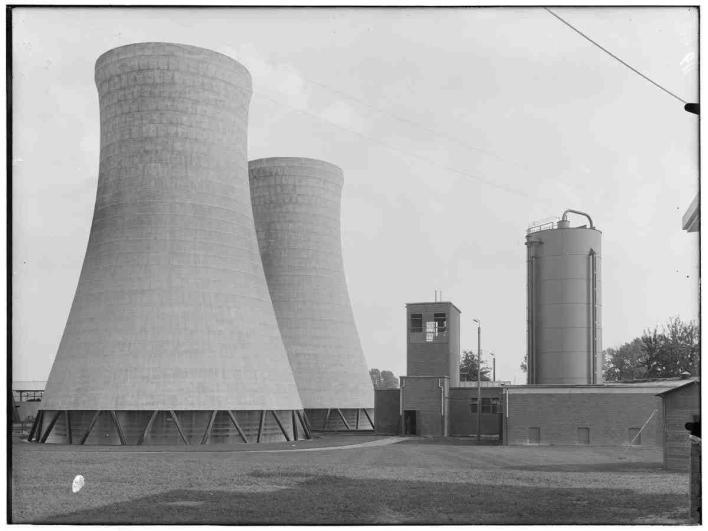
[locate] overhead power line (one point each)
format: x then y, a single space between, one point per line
410 154
608 52
414 123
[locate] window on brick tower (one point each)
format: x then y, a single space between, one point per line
440 322
430 332
416 322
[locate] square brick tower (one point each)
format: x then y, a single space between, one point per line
433 340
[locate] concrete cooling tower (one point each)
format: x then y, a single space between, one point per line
296 207
171 337
564 303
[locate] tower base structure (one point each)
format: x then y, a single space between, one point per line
340 419
168 427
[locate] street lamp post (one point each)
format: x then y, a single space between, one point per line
479 379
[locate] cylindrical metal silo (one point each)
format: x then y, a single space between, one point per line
172 335
564 303
296 207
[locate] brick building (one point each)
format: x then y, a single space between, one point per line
432 402
594 415
680 405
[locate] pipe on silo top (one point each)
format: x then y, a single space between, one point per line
565 217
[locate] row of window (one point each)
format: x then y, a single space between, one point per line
489 405
438 324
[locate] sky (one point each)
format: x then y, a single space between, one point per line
456 129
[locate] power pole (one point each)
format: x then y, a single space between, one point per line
479 380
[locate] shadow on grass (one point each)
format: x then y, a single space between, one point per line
308 499
629 466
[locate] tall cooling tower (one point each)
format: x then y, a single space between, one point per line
296 206
564 304
171 337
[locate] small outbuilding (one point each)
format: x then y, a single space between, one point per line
681 404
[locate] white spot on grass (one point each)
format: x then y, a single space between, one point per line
77 484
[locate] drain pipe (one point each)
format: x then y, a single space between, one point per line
563 224
441 385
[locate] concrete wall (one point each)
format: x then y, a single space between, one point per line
172 310
387 411
608 414
296 207
680 406
427 396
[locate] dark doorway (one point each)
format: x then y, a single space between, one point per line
409 422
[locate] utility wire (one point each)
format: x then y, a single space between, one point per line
414 123
483 180
613 55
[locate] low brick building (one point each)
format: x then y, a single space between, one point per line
594 415
679 405
432 402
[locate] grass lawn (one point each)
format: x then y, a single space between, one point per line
411 482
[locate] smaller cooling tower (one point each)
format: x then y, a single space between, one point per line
296 208
564 305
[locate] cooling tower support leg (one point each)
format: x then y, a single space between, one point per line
369 419
238 428
179 427
304 425
324 426
119 428
34 426
207 432
357 419
280 425
260 425
67 418
344 420
38 435
294 421
90 426
51 426
146 431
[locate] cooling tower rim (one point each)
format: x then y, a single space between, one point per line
174 46
304 162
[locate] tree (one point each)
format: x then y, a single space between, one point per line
524 366
389 380
623 363
675 350
375 376
656 354
468 368
383 379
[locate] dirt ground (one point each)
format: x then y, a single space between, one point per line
346 479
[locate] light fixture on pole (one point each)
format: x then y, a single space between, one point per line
479 379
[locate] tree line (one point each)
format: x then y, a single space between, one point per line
664 352
383 379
